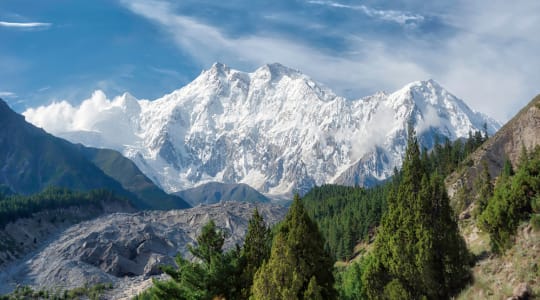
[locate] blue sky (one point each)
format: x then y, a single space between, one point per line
485 52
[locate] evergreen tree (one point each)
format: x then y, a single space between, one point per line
313 291
209 243
512 200
418 251
278 278
349 281
214 277
484 189
255 251
297 256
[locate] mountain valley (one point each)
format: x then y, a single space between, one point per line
210 143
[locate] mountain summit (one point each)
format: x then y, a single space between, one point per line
275 129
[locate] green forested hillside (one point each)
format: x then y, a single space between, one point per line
346 215
14 207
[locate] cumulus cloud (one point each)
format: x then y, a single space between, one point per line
92 116
55 118
25 25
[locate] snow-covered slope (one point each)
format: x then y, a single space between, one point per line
274 129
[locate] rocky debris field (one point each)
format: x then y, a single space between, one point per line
125 248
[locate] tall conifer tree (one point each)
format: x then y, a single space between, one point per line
298 267
255 251
418 251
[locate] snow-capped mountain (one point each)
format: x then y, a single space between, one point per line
274 129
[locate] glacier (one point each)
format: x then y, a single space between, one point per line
274 129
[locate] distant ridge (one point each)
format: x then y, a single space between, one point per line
32 160
214 192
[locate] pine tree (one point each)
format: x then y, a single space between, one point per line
297 255
209 242
278 278
255 251
484 189
511 201
214 277
418 251
313 291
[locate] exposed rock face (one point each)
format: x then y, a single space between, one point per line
522 130
131 245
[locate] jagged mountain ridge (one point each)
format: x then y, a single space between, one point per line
274 129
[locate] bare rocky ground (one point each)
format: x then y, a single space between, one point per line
504 276
125 249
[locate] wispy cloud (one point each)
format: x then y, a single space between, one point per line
26 25
7 94
489 60
400 17
167 72
44 89
369 65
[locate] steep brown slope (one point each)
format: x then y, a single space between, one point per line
500 276
522 130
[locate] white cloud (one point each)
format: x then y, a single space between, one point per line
167 72
493 62
372 67
24 25
374 133
55 118
7 94
93 115
399 17
430 119
59 117
489 60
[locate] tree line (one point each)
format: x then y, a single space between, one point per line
13 207
347 216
